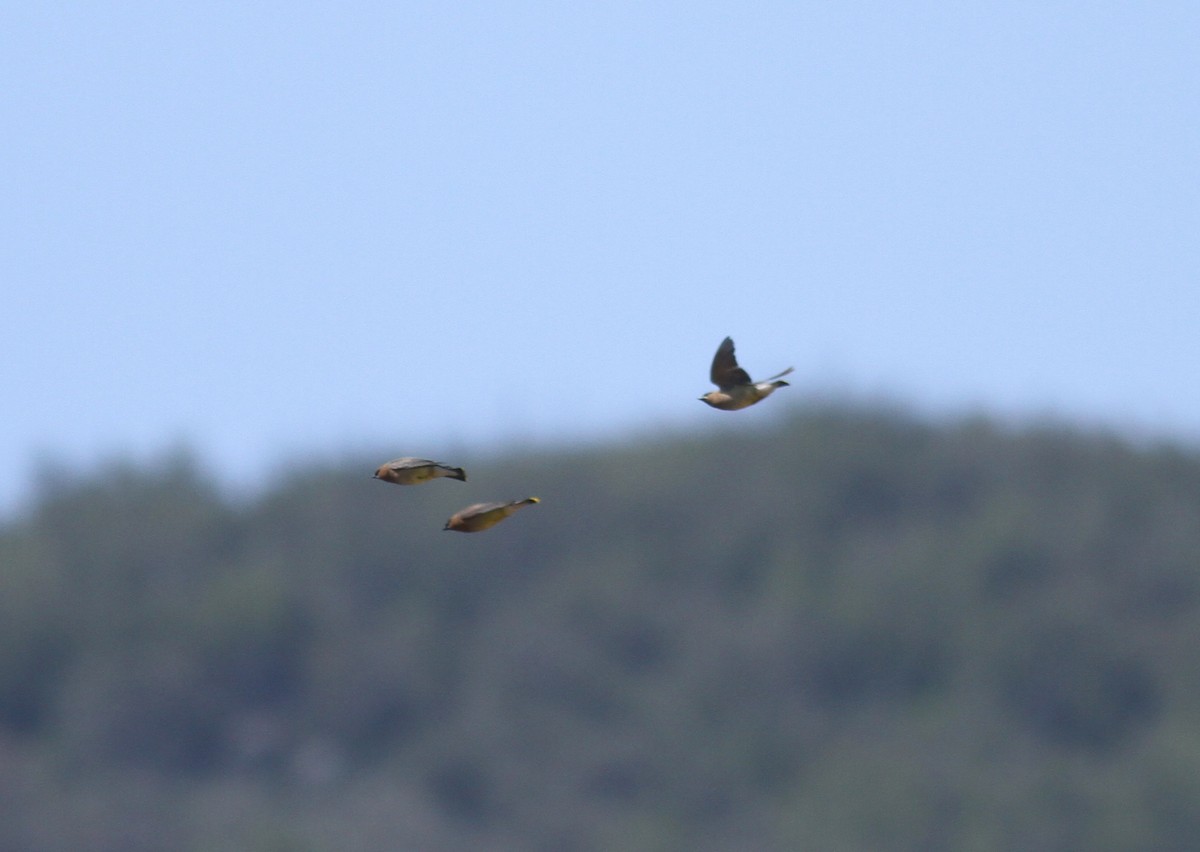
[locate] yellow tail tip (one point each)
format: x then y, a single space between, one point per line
533 500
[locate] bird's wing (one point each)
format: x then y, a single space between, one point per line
408 463
779 375
480 508
725 372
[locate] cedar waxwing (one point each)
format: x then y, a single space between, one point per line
408 471
480 516
736 390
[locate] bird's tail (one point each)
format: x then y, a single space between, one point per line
530 500
457 473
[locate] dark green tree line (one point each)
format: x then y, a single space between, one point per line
853 629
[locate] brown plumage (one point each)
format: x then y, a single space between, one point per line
410 471
481 516
735 388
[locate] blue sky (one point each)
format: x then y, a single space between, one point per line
283 231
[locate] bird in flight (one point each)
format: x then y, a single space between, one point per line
410 471
735 389
481 516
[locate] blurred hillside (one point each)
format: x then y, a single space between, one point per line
853 630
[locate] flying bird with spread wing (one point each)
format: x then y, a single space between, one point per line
735 389
410 471
480 516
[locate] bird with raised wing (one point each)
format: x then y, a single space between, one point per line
410 471
481 516
735 389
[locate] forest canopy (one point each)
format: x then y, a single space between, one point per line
852 629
